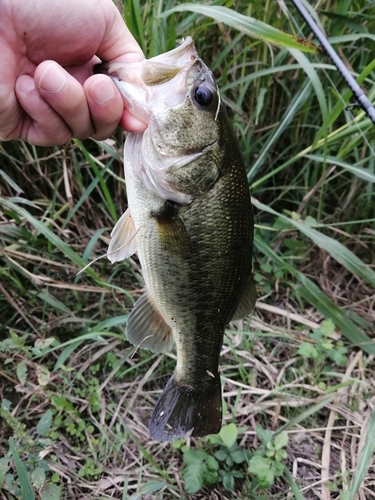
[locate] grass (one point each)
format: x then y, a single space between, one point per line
298 376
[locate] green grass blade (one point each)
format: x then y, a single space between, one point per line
362 173
318 87
313 295
99 174
10 181
25 484
52 237
289 114
133 18
149 488
292 484
311 410
365 458
245 24
338 251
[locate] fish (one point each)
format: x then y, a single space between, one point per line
190 220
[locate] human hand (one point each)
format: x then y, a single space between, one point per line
48 92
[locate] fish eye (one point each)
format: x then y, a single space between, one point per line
203 95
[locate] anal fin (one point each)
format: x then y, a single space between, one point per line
247 302
146 327
123 239
182 411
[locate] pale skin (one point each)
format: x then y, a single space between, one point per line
48 92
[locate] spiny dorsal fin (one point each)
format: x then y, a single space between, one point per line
146 327
123 239
247 302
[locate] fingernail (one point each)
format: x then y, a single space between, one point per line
102 92
25 84
52 78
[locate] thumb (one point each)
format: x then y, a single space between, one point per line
118 43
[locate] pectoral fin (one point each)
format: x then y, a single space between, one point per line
123 239
146 327
247 302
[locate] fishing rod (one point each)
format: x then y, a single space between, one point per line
358 93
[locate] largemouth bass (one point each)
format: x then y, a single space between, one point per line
190 219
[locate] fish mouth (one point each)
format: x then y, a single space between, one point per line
177 51
155 71
141 83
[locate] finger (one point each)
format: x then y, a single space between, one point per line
105 105
41 125
131 123
65 95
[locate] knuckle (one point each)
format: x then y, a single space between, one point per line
103 133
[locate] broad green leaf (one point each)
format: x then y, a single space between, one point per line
44 423
228 434
265 435
308 350
22 372
238 456
193 479
212 463
38 477
43 375
261 468
221 454
327 327
194 456
228 481
210 476
281 440
245 24
52 492
44 343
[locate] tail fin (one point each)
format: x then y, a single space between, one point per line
182 411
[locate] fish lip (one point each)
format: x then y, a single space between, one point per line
184 46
